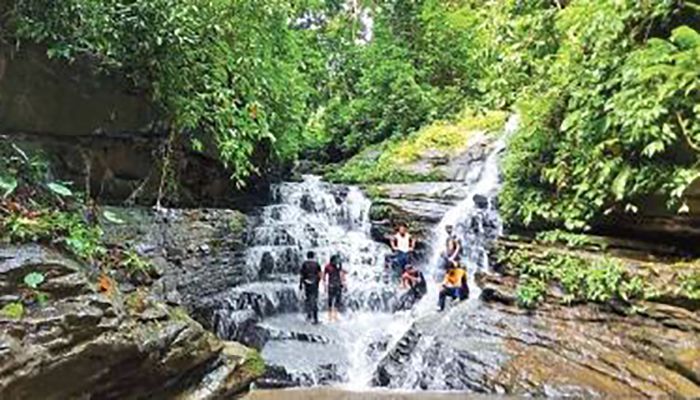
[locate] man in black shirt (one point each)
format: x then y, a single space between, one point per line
309 281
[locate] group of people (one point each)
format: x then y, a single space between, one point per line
454 284
333 278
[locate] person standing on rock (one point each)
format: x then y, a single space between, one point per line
452 236
403 245
308 283
334 279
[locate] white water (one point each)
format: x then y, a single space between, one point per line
467 220
328 219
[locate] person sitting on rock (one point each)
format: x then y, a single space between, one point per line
452 236
450 257
334 278
310 278
454 285
413 279
403 244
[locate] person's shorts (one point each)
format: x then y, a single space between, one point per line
335 295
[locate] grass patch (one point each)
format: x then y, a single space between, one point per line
389 161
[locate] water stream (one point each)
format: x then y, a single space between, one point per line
313 215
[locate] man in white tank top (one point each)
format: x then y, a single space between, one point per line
403 245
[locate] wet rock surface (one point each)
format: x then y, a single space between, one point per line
578 351
199 252
489 345
86 344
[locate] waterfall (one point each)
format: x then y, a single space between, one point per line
312 215
475 219
476 223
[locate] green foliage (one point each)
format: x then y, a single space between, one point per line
530 292
34 279
135 264
609 122
690 285
570 239
8 184
14 310
421 64
65 228
112 217
254 364
60 189
581 280
226 73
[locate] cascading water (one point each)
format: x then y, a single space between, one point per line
476 222
312 215
475 219
327 219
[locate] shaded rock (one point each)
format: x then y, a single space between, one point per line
98 343
195 252
481 201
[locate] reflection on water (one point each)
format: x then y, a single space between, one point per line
339 394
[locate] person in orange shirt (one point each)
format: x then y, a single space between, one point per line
454 285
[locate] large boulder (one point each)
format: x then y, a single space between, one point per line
198 252
90 341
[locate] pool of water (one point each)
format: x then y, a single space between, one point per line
343 394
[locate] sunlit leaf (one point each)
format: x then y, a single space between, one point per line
8 184
60 189
113 217
34 279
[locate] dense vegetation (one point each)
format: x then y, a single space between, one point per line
607 90
36 208
612 119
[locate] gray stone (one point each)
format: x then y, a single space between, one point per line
99 343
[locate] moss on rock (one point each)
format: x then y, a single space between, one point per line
418 156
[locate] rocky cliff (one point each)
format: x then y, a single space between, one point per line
87 339
103 136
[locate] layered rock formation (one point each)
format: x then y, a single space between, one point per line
91 341
492 346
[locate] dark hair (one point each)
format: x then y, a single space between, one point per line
310 255
335 260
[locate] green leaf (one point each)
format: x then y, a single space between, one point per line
14 310
41 297
8 184
657 146
620 183
113 217
34 279
60 189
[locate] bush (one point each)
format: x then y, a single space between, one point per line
614 125
581 280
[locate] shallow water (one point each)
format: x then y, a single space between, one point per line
341 394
